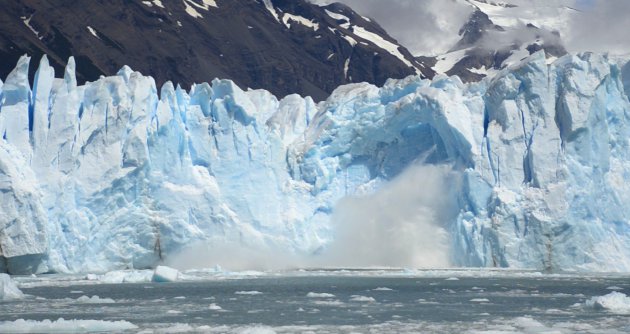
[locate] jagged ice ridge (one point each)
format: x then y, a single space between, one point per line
112 175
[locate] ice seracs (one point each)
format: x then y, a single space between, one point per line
112 175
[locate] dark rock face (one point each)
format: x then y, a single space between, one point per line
189 41
474 30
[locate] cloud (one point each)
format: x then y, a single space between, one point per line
430 27
425 27
602 26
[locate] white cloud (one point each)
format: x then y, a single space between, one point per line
425 27
429 27
601 27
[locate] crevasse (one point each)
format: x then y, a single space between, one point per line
113 175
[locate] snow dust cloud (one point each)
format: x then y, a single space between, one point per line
403 224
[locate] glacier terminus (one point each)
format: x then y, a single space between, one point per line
115 174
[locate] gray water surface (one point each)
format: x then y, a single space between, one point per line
333 304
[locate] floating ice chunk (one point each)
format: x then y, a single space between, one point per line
251 293
332 303
382 289
530 325
363 299
319 295
452 279
123 276
615 302
8 289
64 326
616 288
179 328
95 300
480 300
215 307
165 274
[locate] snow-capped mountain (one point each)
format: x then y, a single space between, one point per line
280 45
500 34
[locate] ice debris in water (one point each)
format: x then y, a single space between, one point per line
251 293
319 295
615 302
8 289
64 326
165 274
94 300
362 299
122 276
215 307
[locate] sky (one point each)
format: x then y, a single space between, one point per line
430 27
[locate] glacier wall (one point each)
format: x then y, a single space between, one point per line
114 175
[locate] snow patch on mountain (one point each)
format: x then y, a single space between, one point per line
288 18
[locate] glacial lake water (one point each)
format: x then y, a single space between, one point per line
335 302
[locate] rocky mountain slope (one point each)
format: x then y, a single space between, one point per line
285 46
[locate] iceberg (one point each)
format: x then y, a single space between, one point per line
615 302
116 175
8 289
163 274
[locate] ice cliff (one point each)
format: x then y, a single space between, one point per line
114 175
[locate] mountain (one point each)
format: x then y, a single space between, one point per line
500 34
113 175
285 46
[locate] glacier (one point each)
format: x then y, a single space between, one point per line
114 175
